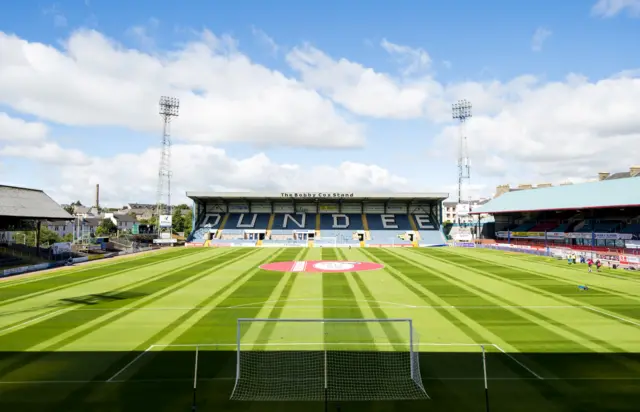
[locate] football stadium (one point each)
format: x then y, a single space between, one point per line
343 301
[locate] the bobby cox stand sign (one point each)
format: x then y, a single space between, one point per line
317 195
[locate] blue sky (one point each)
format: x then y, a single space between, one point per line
355 94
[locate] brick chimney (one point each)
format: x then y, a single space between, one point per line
502 189
603 175
634 171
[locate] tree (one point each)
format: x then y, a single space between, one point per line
69 209
76 203
188 221
68 237
106 227
29 238
177 220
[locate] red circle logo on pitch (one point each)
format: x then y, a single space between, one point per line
325 266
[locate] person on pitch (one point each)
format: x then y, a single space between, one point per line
590 264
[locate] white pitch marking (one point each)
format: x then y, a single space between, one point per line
299 266
517 361
129 364
612 315
608 378
392 305
191 345
31 321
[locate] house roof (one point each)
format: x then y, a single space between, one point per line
124 218
592 195
20 202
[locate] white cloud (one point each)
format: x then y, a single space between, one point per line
359 89
198 167
224 96
18 130
539 37
265 39
48 152
523 129
564 129
610 8
413 60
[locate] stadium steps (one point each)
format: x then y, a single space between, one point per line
222 224
318 225
414 227
365 225
272 218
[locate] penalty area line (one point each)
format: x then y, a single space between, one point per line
518 362
430 378
111 379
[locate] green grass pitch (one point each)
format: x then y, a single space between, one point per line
121 335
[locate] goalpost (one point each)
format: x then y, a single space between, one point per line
327 360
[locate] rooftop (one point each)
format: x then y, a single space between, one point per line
592 195
24 203
315 196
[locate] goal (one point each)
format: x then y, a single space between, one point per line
327 360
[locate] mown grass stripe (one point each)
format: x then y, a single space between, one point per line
626 364
38 276
41 332
489 262
65 305
389 329
52 328
546 319
269 327
491 325
84 322
517 277
336 286
507 315
50 285
224 322
204 322
392 266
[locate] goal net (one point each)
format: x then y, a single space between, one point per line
327 360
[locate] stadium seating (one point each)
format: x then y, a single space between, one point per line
431 238
562 228
401 221
543 227
244 221
633 228
385 232
283 223
9 260
601 226
333 230
524 227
